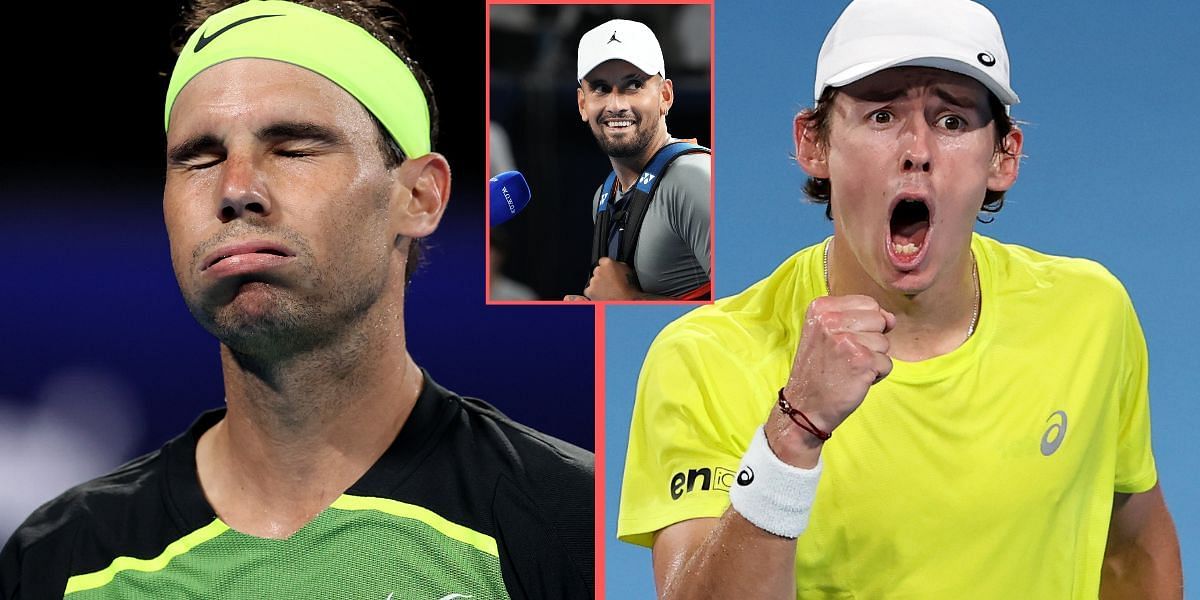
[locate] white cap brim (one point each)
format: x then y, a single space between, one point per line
860 71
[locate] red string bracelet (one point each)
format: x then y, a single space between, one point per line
807 425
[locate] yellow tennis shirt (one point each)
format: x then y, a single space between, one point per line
988 472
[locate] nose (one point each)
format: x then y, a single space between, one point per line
916 147
242 191
617 103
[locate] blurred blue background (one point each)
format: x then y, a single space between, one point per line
1108 97
100 360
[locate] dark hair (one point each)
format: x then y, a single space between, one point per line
819 190
385 24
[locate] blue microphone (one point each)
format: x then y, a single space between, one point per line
509 194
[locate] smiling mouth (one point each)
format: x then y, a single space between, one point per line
618 124
909 227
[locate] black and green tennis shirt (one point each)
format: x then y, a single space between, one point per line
465 504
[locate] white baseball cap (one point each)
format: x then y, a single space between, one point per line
620 39
955 35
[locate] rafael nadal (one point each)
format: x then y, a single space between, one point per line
907 409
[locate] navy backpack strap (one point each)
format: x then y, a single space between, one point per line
643 193
603 220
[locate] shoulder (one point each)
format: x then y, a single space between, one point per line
689 174
694 164
95 503
542 502
525 450
1059 279
75 530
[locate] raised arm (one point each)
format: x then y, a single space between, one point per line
842 352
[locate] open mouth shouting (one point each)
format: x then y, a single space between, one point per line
909 226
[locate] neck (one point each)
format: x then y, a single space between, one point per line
930 323
630 168
302 429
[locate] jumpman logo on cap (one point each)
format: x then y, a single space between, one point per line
614 39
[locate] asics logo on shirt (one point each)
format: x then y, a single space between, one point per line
1054 435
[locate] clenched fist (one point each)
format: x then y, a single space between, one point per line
612 280
842 353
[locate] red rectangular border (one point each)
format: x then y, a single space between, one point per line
599 346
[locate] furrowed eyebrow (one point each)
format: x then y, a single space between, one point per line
882 94
960 101
194 146
299 131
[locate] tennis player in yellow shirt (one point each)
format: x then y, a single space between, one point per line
907 409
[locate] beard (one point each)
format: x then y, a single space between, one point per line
631 145
264 317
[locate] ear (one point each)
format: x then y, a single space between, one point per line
579 94
420 192
810 153
666 97
1006 165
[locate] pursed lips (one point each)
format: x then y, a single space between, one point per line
258 248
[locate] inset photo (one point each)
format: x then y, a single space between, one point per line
600 153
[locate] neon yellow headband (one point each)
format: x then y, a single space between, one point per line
338 50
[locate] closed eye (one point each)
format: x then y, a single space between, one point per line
294 153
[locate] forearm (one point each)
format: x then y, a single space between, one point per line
1146 566
1136 573
736 560
1143 573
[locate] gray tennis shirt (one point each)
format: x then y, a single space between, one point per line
672 255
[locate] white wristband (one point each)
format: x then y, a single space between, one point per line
772 494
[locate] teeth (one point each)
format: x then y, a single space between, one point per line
619 123
906 249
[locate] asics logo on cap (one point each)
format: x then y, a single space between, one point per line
986 59
205 39
613 39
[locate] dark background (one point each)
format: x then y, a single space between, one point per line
533 69
99 358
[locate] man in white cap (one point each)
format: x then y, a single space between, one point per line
652 215
907 409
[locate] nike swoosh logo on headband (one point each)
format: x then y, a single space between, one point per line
205 39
